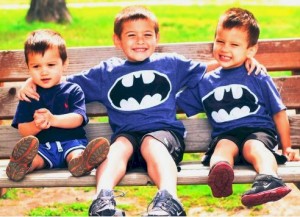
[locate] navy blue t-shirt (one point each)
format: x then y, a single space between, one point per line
232 98
140 96
61 99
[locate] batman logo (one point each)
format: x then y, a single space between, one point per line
230 102
139 90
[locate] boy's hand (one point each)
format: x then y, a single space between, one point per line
251 64
28 89
42 118
292 154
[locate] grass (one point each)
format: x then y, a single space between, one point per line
93 27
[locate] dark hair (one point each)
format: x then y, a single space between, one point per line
134 13
41 40
244 19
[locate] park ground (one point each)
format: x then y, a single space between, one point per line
288 206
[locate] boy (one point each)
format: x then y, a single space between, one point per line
244 110
139 94
53 126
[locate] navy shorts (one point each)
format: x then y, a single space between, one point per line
239 136
55 153
171 140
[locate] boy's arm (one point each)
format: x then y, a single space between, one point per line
28 89
29 128
250 64
283 129
66 121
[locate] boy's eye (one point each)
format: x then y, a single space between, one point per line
130 35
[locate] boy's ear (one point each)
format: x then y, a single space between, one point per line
157 37
252 51
66 64
116 41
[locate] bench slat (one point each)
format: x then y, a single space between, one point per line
197 139
190 174
275 54
288 87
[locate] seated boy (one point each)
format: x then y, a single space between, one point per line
53 126
245 111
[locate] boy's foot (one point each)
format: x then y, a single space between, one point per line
220 179
265 188
165 205
105 205
92 156
21 158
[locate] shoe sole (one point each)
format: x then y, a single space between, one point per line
265 196
22 155
220 180
93 155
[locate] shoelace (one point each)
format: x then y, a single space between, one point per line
109 200
162 205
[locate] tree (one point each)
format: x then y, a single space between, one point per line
48 11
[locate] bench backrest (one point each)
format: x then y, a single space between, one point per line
275 55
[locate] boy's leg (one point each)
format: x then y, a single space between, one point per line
91 157
162 170
108 175
267 186
22 156
221 174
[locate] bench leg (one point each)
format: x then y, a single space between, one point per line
297 185
2 191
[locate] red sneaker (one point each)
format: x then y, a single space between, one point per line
220 179
266 188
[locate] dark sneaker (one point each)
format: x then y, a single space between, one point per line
105 205
93 155
21 158
265 188
220 179
165 205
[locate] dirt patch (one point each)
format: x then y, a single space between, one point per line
288 206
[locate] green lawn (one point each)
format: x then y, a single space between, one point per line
93 26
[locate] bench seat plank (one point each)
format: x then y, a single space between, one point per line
192 173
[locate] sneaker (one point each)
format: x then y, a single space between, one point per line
165 205
105 205
265 188
220 179
22 157
93 155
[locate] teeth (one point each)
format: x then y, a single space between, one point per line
127 80
237 92
148 77
148 101
235 113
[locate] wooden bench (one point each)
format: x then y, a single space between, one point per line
276 55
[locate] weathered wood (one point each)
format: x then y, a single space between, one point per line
275 55
198 135
192 173
288 87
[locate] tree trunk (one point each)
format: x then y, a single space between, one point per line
48 11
